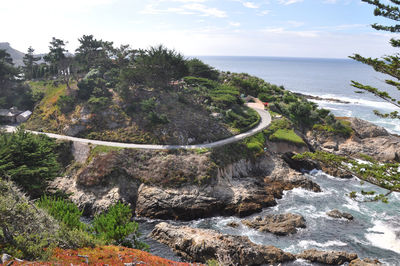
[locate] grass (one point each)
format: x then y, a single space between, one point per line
287 135
341 127
100 149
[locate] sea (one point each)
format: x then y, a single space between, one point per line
375 231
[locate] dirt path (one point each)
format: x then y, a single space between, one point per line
258 107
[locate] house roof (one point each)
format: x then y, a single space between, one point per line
26 114
6 112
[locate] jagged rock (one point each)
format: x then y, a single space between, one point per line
367 139
279 224
365 262
338 214
166 185
201 245
5 257
365 129
327 257
233 224
300 165
337 172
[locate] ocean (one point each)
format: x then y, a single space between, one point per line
326 78
375 230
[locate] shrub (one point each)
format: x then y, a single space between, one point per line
65 103
116 225
29 160
98 103
62 210
31 233
199 69
256 143
197 81
266 98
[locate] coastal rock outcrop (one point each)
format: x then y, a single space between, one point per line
338 214
201 245
367 139
364 262
327 257
278 224
179 185
232 194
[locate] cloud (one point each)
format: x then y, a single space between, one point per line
206 11
248 4
344 27
283 31
190 7
289 2
234 24
295 24
264 12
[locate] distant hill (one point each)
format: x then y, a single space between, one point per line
16 55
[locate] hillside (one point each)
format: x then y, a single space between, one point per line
16 55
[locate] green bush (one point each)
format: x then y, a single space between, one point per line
199 69
31 233
65 103
98 103
256 143
198 81
266 98
337 127
62 210
29 160
116 225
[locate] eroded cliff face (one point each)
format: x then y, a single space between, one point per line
180 185
367 139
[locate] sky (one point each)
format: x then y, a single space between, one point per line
290 28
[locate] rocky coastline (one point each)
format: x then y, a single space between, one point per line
240 188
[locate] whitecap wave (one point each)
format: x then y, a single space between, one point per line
304 193
351 204
306 244
383 236
355 101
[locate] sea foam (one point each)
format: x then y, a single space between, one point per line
383 236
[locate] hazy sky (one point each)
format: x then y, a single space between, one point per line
300 28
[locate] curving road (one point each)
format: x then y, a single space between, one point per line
264 122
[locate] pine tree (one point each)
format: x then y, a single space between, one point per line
388 64
30 61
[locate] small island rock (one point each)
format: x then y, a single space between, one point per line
279 224
327 257
338 214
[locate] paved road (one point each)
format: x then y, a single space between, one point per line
264 122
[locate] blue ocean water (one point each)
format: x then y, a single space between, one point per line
326 78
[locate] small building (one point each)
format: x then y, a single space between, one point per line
23 116
13 115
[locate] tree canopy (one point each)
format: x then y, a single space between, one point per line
29 160
388 65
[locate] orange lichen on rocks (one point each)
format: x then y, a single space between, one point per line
105 255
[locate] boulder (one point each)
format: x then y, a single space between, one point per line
278 224
300 165
338 214
201 245
365 129
5 257
233 224
327 257
365 262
